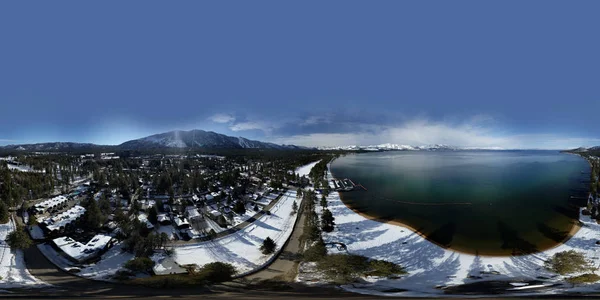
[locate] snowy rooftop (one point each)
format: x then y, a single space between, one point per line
166 265
163 218
181 222
58 200
64 218
79 251
192 212
142 217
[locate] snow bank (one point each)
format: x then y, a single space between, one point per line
13 271
431 266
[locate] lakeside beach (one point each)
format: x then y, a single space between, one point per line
432 268
491 204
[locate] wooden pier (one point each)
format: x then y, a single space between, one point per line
359 185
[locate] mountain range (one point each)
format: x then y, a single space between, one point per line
388 146
595 151
200 139
173 139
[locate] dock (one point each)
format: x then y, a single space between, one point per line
345 185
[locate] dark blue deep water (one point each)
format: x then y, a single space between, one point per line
481 202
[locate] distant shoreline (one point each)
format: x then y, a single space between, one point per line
575 227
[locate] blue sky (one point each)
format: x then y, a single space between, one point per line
511 74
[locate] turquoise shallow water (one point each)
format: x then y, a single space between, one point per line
485 202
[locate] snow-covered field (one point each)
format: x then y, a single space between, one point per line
13 272
304 170
241 249
431 266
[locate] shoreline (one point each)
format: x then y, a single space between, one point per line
576 226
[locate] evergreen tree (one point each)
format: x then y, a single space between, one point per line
153 215
327 221
18 239
239 207
104 205
93 217
3 213
268 246
323 201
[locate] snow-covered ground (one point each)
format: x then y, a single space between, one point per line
304 170
241 248
13 272
238 219
431 266
22 168
111 262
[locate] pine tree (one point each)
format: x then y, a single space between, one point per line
18 239
3 213
323 201
327 221
153 215
92 218
239 208
268 246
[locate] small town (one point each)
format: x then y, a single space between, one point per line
100 216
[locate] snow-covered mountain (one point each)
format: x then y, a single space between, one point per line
198 139
398 147
172 139
591 150
53 146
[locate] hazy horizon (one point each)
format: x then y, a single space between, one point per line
468 74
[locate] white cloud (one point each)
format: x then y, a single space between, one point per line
242 126
312 120
6 141
222 118
471 133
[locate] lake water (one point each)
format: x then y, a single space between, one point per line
480 202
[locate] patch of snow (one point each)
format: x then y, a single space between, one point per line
12 264
305 170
